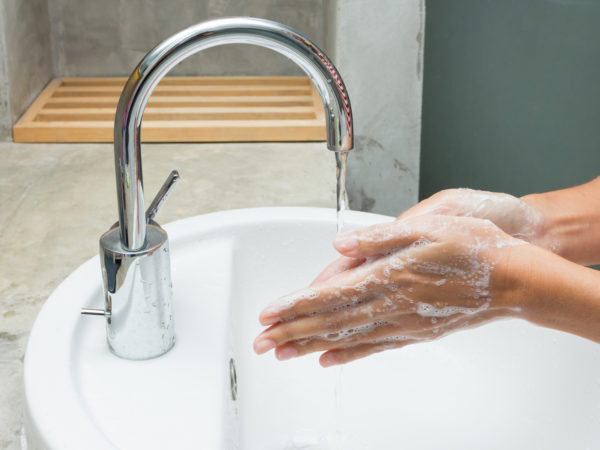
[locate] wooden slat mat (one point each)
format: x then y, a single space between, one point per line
181 109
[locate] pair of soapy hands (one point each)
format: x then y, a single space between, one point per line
441 266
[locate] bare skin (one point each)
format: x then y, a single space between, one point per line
443 266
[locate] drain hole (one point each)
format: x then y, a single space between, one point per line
232 379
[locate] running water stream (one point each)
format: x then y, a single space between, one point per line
340 173
340 162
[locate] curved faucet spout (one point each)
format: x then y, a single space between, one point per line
154 66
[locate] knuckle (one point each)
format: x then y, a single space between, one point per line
444 193
283 334
333 324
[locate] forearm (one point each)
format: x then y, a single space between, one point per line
571 221
556 293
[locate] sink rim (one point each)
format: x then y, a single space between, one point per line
44 428
47 429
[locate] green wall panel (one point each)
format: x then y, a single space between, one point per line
511 97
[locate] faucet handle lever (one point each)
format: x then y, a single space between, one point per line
95 312
162 195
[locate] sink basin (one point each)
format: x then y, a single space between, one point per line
507 385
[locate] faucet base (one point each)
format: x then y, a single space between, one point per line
137 293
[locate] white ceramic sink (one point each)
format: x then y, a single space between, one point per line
507 385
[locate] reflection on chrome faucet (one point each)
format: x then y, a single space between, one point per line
135 252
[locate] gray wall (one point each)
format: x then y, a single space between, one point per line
511 95
377 46
25 57
109 37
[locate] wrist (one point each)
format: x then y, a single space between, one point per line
545 235
553 292
513 278
570 218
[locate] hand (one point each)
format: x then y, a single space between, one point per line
511 214
422 278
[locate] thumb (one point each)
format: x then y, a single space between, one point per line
378 239
338 266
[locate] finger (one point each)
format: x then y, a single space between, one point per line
345 289
383 238
307 346
441 203
345 355
423 207
449 326
338 266
332 325
409 326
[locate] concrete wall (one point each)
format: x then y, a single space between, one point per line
379 52
109 37
5 116
25 60
376 46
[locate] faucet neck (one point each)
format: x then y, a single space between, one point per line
155 65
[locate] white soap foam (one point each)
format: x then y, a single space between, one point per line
427 310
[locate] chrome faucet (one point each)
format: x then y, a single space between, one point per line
134 253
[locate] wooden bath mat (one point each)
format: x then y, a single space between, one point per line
181 109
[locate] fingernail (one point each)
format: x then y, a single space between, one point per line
328 360
346 242
266 319
264 345
286 353
270 315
